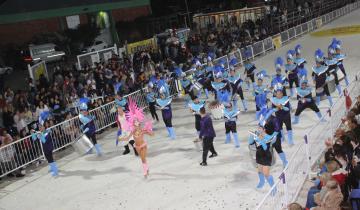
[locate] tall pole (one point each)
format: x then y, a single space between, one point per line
188 14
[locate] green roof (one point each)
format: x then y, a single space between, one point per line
12 11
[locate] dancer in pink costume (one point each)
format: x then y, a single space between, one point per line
134 119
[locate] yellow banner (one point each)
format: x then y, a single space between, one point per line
318 23
39 70
142 45
277 41
346 30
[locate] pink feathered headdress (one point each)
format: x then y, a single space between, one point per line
135 114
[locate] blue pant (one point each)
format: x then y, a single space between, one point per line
310 201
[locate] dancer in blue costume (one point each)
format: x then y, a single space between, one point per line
278 77
195 107
331 63
321 76
272 126
188 88
300 62
263 141
44 136
260 92
200 77
236 89
88 124
164 103
250 69
340 58
291 70
220 85
305 100
230 116
151 100
281 107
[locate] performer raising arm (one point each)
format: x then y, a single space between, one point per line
134 118
45 138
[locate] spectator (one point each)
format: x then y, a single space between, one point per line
330 197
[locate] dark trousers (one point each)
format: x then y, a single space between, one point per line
293 80
153 111
208 145
49 156
131 142
277 144
92 138
302 106
168 122
285 119
335 77
197 122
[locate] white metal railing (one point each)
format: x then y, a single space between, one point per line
66 132
91 58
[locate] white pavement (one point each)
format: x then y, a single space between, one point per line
176 180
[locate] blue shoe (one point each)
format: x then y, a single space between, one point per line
89 152
169 132
338 88
296 120
54 169
257 116
261 180
270 180
290 137
282 135
347 81
283 159
244 104
172 133
98 149
228 138
291 92
236 140
318 100
330 101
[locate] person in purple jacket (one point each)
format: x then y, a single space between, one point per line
207 134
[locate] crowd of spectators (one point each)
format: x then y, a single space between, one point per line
338 181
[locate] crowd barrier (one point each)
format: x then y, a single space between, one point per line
24 151
91 58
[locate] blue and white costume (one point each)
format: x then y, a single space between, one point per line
195 107
250 69
321 76
340 57
281 107
292 71
300 62
305 100
235 83
88 126
278 78
331 63
165 105
46 140
260 93
230 116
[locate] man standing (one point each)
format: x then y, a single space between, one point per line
207 134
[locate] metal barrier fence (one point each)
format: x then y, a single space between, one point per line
92 57
24 151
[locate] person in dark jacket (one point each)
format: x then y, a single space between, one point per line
207 134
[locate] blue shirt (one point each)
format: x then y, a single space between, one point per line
206 127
